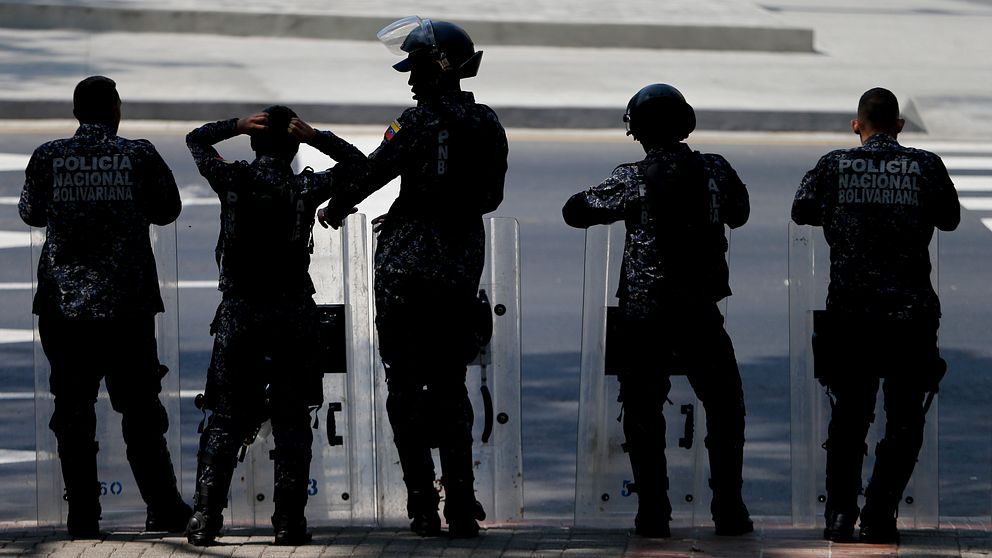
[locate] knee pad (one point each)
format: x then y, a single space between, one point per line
74 421
148 419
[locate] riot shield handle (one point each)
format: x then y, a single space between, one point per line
689 431
332 425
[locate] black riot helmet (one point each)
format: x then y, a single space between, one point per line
441 45
659 112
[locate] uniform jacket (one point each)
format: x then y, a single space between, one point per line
675 204
450 154
97 193
267 212
878 205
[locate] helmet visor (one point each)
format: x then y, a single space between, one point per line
395 34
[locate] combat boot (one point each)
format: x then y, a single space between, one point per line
213 483
654 511
421 508
173 520
292 473
82 490
840 525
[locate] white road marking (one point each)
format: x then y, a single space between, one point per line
976 204
968 163
9 457
184 284
16 336
13 161
15 239
16 395
971 183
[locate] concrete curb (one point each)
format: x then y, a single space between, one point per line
342 27
511 117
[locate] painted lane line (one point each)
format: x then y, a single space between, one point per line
976 204
190 201
16 395
969 183
10 457
15 239
987 223
968 163
191 284
13 161
16 336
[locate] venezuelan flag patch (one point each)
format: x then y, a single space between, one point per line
391 130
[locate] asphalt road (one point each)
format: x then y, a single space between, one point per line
545 168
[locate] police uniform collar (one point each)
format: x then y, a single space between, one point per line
675 147
269 161
881 138
448 96
97 131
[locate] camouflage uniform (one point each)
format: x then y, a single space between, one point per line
97 194
451 155
674 204
266 328
878 205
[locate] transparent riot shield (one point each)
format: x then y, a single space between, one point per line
601 495
493 383
342 471
119 497
809 272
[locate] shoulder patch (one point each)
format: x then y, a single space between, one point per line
391 131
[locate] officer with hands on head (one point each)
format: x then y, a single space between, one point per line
878 205
266 327
675 204
98 293
450 153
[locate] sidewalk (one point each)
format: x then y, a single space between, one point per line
770 540
935 55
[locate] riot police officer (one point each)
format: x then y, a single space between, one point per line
674 203
450 153
878 205
98 294
265 331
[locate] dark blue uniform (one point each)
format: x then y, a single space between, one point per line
98 293
675 204
878 205
450 153
266 327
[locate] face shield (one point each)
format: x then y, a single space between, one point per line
407 36
626 122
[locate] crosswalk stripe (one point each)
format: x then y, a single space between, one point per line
15 239
184 284
13 161
968 163
16 336
976 204
10 457
971 183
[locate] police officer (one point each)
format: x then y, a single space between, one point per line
450 153
97 298
878 205
265 331
674 203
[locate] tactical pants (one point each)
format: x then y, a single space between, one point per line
263 367
425 347
686 339
123 353
906 359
